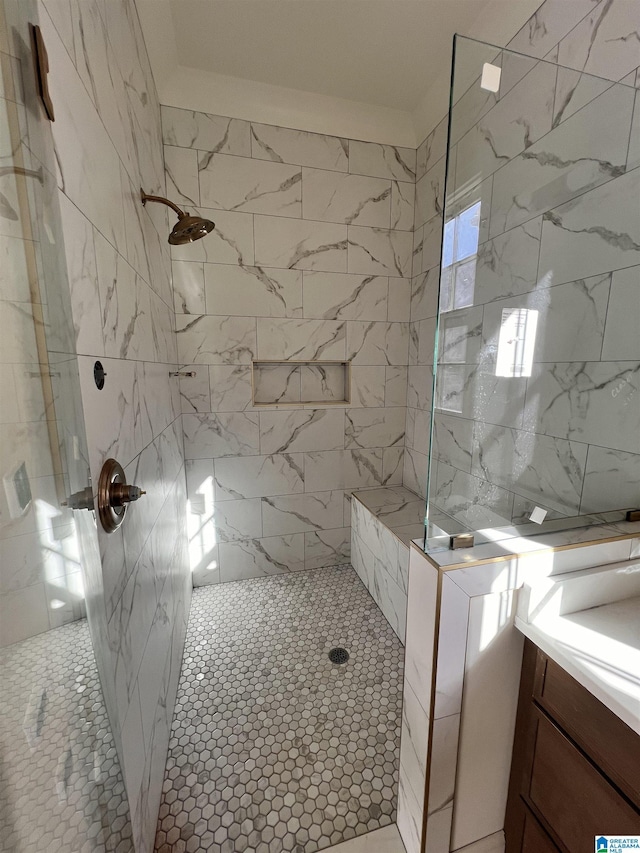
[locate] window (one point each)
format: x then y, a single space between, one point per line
517 341
459 252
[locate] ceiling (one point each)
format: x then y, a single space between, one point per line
366 69
381 52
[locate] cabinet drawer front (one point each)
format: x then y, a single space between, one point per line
609 742
576 800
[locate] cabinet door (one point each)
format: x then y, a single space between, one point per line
576 800
534 838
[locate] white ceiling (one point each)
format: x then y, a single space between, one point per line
360 68
381 52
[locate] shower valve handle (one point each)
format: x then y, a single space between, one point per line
121 494
114 495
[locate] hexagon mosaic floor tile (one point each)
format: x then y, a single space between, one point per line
61 788
274 747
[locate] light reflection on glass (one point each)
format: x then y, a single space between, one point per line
517 342
459 254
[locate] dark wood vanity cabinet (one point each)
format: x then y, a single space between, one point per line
575 772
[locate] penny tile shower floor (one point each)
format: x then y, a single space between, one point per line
273 747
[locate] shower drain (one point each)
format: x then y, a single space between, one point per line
338 655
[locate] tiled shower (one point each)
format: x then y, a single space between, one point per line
254 380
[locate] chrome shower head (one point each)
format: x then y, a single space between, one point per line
188 228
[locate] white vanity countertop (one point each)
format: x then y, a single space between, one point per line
600 648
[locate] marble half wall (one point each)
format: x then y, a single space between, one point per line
310 261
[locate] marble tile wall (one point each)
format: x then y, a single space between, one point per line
105 144
552 158
310 260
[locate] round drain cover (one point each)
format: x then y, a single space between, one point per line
338 655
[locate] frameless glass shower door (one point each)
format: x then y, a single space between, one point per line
536 414
60 782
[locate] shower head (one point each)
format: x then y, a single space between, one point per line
190 228
187 228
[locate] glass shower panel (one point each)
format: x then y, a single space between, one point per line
60 778
537 379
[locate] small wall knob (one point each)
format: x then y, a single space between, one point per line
114 495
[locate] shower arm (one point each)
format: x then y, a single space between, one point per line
145 198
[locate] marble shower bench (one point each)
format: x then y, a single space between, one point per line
383 523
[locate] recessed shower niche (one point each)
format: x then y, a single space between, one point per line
300 383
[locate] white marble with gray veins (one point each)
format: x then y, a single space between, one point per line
538 467
377 343
302 513
287 432
297 244
336 296
586 150
215 340
211 133
251 290
341 197
595 232
379 251
301 340
252 558
383 161
257 476
592 402
209 436
283 145
252 186
510 127
374 427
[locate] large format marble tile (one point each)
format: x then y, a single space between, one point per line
596 232
377 343
383 161
374 427
368 386
230 387
231 241
605 42
621 339
214 134
237 520
591 402
453 441
181 167
508 264
325 470
301 340
309 430
327 548
430 194
188 287
539 467
611 480
335 296
257 476
283 145
252 186
302 513
424 294
215 340
570 320
586 150
399 302
252 291
341 197
225 434
473 501
296 244
257 558
510 127
379 251
402 205
550 23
